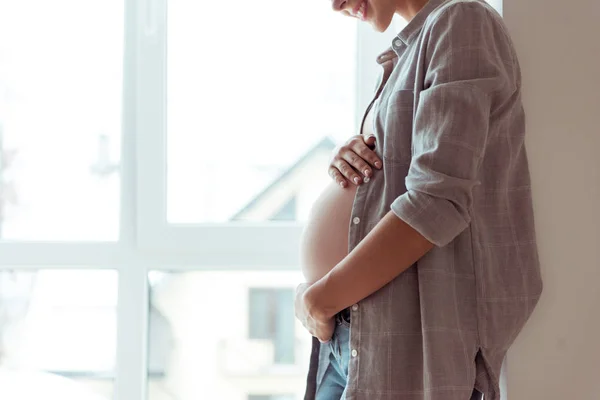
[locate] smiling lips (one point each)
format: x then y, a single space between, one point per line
360 11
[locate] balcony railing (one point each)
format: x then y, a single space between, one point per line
254 358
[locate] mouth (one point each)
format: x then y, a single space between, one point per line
360 11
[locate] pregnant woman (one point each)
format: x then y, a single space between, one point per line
420 275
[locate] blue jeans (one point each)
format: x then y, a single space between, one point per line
333 385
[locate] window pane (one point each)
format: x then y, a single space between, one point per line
57 334
255 106
60 119
228 335
270 319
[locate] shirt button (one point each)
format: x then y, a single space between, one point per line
356 220
354 353
397 43
366 179
355 307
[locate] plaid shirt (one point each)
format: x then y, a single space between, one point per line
450 128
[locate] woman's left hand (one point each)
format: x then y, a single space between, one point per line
319 327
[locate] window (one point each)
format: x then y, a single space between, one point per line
272 318
155 172
58 334
288 212
291 93
60 120
136 203
226 334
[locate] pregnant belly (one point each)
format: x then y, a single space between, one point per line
325 238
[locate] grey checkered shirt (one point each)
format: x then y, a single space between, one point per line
450 129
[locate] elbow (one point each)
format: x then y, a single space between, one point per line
439 219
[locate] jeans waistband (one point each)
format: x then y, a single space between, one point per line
343 316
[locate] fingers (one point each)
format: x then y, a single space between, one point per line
337 176
358 154
301 288
362 148
369 140
298 301
354 160
346 170
358 163
324 331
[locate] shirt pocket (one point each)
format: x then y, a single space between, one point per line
398 126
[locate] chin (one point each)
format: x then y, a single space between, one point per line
379 28
379 25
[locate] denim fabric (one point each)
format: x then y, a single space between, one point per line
333 384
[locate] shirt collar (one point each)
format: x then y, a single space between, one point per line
408 33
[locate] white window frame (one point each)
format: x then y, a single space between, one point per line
214 244
146 242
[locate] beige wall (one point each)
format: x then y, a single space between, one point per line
558 354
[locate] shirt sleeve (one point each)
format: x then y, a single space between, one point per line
469 65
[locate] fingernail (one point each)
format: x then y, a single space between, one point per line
377 164
342 184
367 172
356 180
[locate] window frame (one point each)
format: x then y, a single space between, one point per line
216 244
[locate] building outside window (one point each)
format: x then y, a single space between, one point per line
272 318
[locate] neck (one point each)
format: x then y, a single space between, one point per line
407 9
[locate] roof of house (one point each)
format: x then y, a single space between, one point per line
326 144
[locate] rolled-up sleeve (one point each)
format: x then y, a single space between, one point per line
466 79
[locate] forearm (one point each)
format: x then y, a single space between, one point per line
387 251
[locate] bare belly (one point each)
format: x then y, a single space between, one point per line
325 238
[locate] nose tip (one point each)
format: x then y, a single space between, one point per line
338 5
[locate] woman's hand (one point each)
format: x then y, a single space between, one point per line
354 160
319 327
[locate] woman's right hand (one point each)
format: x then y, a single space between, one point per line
353 160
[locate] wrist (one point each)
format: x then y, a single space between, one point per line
318 303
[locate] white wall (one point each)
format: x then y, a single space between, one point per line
558 354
